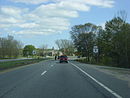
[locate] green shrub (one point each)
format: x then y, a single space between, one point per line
106 61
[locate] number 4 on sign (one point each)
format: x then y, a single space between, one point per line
95 50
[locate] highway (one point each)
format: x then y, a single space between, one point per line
51 79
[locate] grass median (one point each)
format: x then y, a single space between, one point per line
12 64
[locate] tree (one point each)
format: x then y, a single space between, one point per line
114 42
84 37
28 50
58 43
44 48
3 47
9 47
65 46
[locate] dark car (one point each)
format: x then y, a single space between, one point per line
63 58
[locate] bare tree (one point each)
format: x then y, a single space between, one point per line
58 43
44 49
122 14
65 46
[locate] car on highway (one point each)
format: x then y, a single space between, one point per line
63 58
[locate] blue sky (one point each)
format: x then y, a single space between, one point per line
41 22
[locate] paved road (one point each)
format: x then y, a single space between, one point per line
50 79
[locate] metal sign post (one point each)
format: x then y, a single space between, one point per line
95 51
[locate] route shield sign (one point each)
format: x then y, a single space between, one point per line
95 49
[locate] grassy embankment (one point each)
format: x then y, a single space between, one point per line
101 63
11 64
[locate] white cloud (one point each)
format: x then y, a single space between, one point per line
12 11
9 20
38 32
30 1
103 3
11 15
53 10
29 25
46 18
74 6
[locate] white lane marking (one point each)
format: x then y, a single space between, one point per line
102 85
52 65
43 73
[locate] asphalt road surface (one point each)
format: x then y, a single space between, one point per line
51 79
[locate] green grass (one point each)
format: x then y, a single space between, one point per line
12 64
104 63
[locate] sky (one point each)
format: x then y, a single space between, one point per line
42 22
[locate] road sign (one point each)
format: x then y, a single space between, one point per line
33 52
95 49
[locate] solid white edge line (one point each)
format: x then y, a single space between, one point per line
43 73
102 85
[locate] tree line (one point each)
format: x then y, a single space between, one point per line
9 47
113 42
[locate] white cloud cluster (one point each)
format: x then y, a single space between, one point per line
105 3
46 18
30 1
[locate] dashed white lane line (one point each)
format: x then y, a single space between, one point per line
43 73
102 85
52 65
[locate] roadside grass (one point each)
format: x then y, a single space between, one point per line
84 60
11 64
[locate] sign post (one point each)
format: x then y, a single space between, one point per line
95 51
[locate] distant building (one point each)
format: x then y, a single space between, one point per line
48 52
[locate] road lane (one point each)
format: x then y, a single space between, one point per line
10 79
102 85
119 86
62 80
